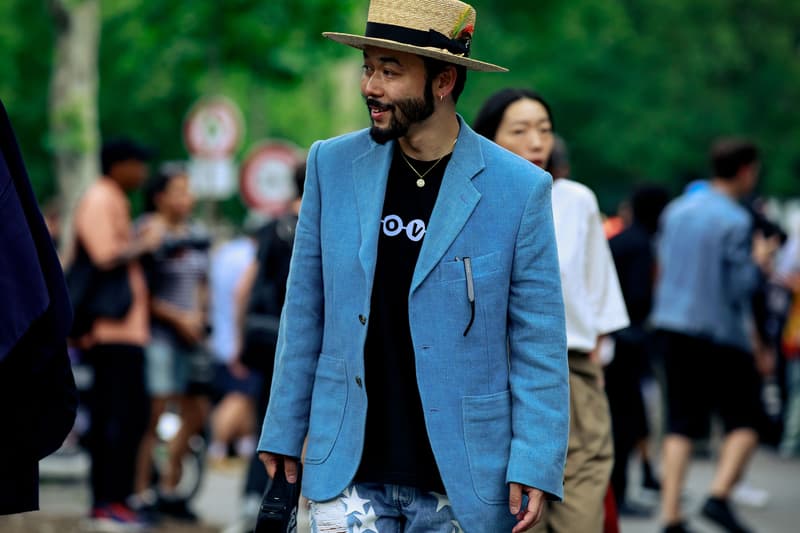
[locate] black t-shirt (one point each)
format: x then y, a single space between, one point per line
396 447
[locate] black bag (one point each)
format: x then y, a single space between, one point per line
260 337
278 512
96 293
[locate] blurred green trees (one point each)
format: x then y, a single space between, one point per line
638 87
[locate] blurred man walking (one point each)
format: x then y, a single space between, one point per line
709 266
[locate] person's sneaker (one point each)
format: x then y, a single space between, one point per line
679 527
148 513
115 518
177 508
146 506
718 511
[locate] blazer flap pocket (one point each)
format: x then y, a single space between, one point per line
328 402
487 434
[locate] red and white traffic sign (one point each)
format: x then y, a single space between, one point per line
214 128
267 177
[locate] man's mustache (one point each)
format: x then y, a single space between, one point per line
375 104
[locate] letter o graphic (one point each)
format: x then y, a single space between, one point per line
392 225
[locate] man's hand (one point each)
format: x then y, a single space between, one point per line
273 461
191 326
151 235
527 518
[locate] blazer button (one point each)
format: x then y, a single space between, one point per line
359 382
362 319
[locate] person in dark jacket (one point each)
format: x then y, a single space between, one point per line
260 298
37 390
634 259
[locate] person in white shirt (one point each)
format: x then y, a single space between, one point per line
520 121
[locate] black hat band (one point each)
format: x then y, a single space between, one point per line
425 39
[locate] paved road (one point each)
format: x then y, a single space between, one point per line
64 503
779 477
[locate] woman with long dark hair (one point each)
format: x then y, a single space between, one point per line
521 121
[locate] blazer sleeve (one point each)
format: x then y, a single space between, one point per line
37 390
300 334
539 378
22 282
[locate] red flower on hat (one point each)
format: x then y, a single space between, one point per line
465 37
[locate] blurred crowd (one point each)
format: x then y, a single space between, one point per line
179 325
197 338
177 328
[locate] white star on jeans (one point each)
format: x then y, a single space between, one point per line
354 504
442 501
369 524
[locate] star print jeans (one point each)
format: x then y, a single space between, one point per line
379 508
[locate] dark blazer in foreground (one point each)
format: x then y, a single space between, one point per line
37 390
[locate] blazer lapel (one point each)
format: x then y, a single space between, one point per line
456 202
370 174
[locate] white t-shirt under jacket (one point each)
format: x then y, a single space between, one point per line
593 299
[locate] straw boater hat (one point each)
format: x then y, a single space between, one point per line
440 29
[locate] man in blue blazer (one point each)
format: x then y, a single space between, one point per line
422 348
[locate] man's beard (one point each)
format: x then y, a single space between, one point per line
405 113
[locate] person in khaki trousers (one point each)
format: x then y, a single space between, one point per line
520 121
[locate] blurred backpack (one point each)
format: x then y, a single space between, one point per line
96 293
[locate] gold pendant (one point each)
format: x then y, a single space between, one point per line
420 183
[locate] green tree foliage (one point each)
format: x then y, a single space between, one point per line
157 58
639 88
26 41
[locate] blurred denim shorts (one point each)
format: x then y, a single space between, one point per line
168 368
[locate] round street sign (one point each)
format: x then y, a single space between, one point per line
267 177
213 128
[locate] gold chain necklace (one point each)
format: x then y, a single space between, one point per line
421 177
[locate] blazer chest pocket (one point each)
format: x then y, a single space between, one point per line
452 268
487 433
328 402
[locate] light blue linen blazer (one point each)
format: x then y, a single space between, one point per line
496 401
